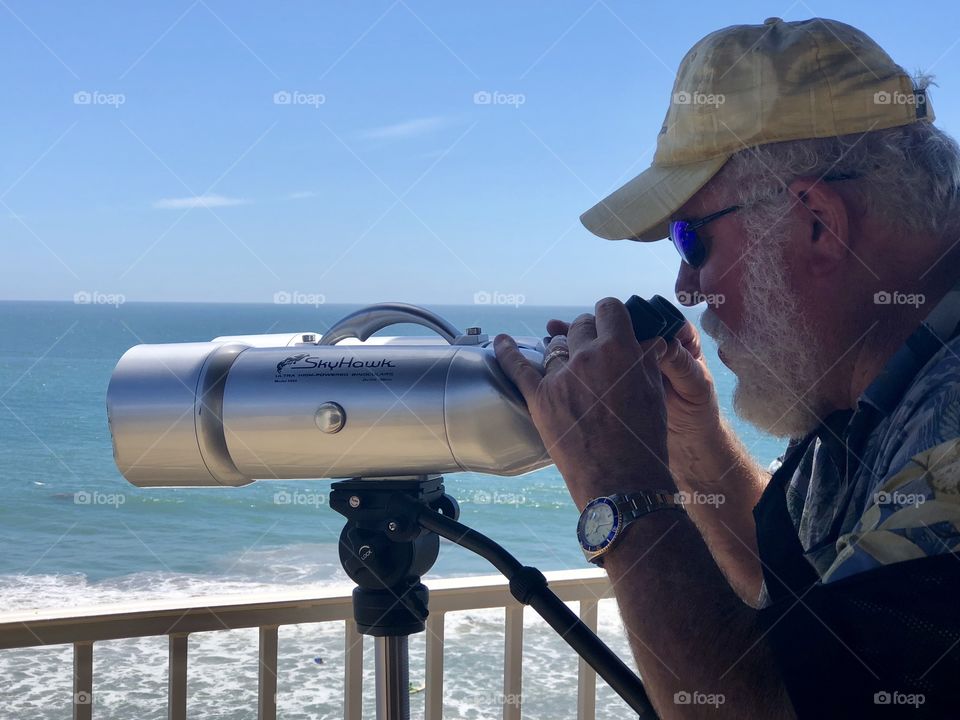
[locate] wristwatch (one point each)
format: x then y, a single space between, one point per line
604 519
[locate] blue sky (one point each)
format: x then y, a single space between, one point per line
175 175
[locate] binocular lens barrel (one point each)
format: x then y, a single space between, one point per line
228 412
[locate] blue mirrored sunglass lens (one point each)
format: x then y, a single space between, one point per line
687 243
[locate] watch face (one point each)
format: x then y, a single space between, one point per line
598 524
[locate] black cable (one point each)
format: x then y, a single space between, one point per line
529 586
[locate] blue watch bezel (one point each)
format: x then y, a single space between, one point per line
617 520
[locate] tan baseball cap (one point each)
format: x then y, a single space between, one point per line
748 85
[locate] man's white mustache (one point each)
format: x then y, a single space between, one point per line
716 329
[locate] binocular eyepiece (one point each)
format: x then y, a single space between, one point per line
653 317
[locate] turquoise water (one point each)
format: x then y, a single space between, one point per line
55 363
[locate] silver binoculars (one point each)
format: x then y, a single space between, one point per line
338 405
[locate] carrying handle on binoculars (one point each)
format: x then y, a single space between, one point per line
364 323
656 316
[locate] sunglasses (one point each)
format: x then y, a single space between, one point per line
691 247
693 251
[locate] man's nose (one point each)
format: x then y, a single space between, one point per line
687 287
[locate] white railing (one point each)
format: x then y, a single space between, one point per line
177 619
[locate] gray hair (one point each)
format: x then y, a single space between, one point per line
910 176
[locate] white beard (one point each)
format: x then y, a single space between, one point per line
776 358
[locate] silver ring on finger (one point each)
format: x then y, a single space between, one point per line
558 354
556 350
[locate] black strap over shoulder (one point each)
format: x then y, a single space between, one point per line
786 570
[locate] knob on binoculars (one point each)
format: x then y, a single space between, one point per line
653 317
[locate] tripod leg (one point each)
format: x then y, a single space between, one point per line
393 677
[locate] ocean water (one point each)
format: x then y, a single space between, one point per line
123 543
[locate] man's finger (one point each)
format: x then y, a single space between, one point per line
556 354
689 338
523 373
683 370
653 351
656 348
613 320
557 327
583 331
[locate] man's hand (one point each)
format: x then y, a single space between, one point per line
688 387
602 415
707 460
601 412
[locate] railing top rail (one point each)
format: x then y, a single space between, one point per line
48 626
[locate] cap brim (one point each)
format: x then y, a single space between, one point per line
641 209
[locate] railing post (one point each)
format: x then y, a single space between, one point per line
352 671
267 688
82 681
513 663
433 674
586 675
177 677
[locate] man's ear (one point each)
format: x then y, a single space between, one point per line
826 241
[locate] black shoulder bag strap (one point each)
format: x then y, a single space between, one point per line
785 568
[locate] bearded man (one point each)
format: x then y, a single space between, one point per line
815 206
